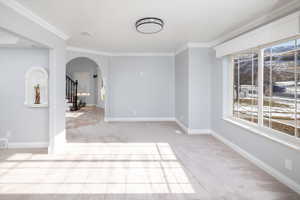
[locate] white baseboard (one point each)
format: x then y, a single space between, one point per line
159 119
270 170
90 105
191 131
199 131
100 106
184 128
28 145
139 119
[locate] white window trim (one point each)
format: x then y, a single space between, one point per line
258 129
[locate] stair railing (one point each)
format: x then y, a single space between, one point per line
71 92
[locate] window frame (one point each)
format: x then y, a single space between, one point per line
228 103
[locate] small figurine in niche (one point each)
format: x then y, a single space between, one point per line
37 94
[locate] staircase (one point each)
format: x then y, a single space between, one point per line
71 94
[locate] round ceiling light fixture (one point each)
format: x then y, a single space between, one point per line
149 25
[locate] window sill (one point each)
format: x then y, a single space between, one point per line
272 135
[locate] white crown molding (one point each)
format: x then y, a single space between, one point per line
199 44
275 14
280 12
33 17
142 54
181 49
82 50
268 18
287 9
194 45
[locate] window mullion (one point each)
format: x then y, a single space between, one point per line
252 88
296 94
238 90
270 88
260 92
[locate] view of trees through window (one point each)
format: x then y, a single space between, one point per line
245 87
281 87
281 82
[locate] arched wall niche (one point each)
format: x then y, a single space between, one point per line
36 77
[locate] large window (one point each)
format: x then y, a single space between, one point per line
245 87
277 106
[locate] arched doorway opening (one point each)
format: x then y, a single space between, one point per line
85 97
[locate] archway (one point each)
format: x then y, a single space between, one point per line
85 96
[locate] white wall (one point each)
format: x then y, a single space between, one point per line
141 87
192 88
25 27
88 85
100 101
25 124
182 87
271 153
200 64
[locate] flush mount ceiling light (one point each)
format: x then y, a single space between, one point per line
149 25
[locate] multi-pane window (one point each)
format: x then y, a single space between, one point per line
245 87
281 82
279 103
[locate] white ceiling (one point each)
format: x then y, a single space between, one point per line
12 41
111 22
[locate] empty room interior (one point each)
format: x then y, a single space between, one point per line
142 100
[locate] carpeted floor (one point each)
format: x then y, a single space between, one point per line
147 160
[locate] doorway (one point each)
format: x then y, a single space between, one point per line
85 95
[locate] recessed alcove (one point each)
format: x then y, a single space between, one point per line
36 76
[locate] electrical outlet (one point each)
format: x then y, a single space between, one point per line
288 164
3 143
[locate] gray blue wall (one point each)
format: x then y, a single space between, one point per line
182 87
25 124
193 88
200 63
141 86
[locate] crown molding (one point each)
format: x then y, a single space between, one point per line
20 9
199 44
275 14
82 50
102 53
181 49
268 18
193 45
142 54
283 11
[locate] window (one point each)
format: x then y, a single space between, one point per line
279 108
245 87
